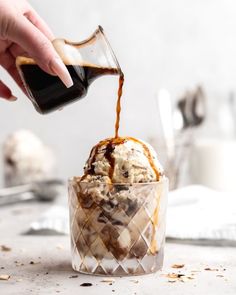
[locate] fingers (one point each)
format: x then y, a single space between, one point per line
16 50
5 92
7 61
33 41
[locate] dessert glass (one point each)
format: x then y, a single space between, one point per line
117 229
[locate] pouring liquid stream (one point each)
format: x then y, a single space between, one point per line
118 105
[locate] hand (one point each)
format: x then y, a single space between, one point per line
23 32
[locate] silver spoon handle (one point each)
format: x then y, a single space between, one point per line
15 190
12 199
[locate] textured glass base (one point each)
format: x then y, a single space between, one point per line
129 267
117 229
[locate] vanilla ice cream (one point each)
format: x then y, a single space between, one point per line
122 160
27 159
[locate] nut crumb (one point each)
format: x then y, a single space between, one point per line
108 280
4 277
174 275
4 248
33 262
60 247
134 281
211 269
177 266
19 280
86 285
172 281
73 277
186 279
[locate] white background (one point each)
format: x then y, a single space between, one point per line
173 44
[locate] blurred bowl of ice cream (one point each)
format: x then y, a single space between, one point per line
27 159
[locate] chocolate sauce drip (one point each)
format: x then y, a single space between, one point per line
92 158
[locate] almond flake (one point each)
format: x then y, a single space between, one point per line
172 281
19 280
211 269
4 277
4 248
108 280
174 275
184 280
134 281
33 262
60 247
177 266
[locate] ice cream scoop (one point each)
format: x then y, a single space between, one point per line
122 160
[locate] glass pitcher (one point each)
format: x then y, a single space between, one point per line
85 61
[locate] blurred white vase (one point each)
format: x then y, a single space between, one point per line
212 163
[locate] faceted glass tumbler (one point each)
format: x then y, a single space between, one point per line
117 229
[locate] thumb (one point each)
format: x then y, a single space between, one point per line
38 46
5 92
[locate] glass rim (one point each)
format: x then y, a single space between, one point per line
163 180
101 31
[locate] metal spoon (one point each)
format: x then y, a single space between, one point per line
46 190
193 107
198 107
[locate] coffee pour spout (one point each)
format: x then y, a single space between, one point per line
94 53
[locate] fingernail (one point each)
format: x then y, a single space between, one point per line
12 98
61 71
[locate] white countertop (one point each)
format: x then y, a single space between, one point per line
41 265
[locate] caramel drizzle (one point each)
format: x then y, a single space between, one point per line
118 105
153 246
148 155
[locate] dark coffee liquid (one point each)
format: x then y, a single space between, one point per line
48 93
118 105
